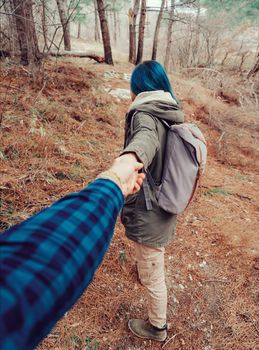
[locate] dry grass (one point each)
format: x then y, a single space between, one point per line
55 138
54 141
235 123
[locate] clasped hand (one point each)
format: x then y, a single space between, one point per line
127 168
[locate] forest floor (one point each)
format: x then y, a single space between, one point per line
58 133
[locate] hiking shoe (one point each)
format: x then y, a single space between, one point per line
144 329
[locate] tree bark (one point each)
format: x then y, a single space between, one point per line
169 37
27 37
255 69
90 55
119 25
62 9
115 27
105 32
195 51
44 24
12 32
79 31
132 31
141 32
96 24
157 29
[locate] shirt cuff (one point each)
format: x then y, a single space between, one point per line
111 175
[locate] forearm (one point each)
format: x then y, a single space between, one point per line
144 141
52 257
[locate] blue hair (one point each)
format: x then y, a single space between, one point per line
150 76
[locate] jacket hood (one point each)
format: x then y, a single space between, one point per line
158 103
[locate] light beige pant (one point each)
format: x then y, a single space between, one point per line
151 271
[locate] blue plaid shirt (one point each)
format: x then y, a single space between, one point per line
47 261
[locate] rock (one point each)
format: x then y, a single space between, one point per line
112 74
175 300
122 94
203 264
126 76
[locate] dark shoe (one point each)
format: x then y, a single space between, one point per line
144 329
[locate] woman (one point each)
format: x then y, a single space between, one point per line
151 230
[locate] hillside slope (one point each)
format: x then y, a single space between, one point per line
58 133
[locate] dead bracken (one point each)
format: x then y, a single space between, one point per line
55 140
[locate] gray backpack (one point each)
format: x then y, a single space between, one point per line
184 162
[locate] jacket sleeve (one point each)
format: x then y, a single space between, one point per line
144 141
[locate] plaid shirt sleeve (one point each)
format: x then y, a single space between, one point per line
47 261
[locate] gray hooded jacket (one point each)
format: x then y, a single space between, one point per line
153 228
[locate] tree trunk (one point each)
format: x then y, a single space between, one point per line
141 31
91 55
12 32
132 31
79 31
105 32
119 25
158 23
196 49
189 48
115 27
255 68
27 37
62 9
44 25
96 24
147 25
169 37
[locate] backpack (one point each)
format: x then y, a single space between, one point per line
184 163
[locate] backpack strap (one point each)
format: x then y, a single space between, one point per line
146 190
148 182
165 123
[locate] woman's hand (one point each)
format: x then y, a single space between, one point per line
127 168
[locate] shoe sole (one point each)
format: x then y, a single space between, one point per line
142 336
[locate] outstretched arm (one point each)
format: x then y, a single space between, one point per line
47 261
144 142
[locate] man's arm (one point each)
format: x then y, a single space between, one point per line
47 261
